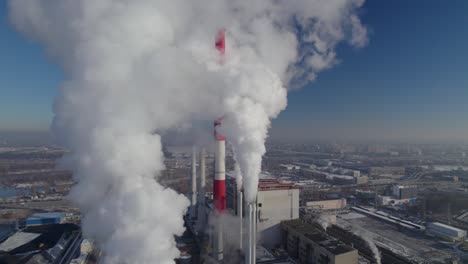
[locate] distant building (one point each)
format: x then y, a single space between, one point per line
365 194
276 201
305 165
307 244
327 204
376 171
405 192
392 200
361 180
313 174
446 232
290 167
44 218
341 179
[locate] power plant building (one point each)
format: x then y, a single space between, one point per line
276 201
306 244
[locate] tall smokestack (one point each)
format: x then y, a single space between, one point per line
252 247
240 201
219 188
219 191
219 183
254 234
251 250
201 191
193 185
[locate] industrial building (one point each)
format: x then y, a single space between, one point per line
378 171
446 232
307 244
335 176
405 192
382 216
305 165
335 204
276 201
392 201
37 244
44 218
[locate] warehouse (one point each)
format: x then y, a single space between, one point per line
446 232
44 218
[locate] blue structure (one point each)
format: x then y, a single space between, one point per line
44 219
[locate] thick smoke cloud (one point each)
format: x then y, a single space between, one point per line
138 68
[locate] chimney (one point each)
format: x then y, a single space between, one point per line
201 192
240 202
219 190
193 186
219 183
252 246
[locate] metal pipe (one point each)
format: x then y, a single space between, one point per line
193 185
249 249
239 212
219 239
254 233
201 191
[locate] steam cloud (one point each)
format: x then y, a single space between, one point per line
370 242
324 222
138 68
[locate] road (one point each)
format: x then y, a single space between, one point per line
40 205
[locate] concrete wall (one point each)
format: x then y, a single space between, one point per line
346 258
273 207
362 180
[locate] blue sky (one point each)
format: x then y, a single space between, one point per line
410 82
28 81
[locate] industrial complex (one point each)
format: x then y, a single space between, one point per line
317 203
313 210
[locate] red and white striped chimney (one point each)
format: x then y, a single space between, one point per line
219 183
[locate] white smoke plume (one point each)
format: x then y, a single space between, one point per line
370 242
324 222
135 69
237 171
231 236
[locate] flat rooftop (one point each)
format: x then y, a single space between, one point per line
448 227
319 237
274 184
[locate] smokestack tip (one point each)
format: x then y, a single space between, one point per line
221 41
